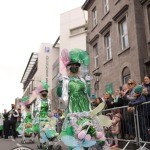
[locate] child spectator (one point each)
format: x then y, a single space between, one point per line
108 133
116 127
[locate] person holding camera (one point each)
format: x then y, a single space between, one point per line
11 122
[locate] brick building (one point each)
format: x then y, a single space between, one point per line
118 42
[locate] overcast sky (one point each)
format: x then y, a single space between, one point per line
24 25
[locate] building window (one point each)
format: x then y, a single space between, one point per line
124 34
107 40
94 14
47 50
126 75
96 62
126 78
106 6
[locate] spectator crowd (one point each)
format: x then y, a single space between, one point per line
121 107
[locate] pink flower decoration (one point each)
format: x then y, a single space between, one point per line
88 137
64 57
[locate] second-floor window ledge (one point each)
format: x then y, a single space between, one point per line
93 28
107 61
94 38
105 15
123 51
105 27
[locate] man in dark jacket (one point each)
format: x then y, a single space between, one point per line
12 120
139 99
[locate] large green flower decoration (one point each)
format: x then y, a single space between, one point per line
79 56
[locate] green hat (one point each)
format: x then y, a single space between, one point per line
78 56
138 89
43 87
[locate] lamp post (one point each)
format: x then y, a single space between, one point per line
97 77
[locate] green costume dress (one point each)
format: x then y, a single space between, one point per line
28 118
44 109
43 125
78 101
42 117
28 123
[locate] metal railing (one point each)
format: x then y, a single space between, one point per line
133 124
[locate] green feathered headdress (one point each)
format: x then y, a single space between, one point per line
78 56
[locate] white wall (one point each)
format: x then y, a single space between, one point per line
71 20
45 62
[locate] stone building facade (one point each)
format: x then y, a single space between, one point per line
118 42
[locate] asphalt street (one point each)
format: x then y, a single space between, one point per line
11 144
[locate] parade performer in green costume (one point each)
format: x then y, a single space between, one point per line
42 107
74 91
78 126
25 128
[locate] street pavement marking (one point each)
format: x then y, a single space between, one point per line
18 144
13 140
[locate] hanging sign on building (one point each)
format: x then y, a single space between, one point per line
109 88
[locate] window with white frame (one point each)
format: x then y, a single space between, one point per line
94 14
96 62
124 33
126 78
106 6
107 40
